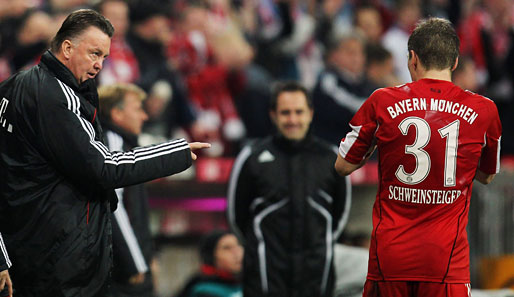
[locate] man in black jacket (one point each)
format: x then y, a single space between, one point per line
122 117
288 204
341 88
58 178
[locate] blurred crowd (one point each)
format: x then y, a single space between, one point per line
207 65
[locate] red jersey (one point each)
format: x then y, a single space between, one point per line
431 138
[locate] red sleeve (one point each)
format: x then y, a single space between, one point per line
490 158
355 145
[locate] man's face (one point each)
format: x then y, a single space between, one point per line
118 14
350 56
370 22
229 254
292 115
131 116
87 53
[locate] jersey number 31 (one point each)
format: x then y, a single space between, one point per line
423 162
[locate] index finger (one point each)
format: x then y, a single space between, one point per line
199 145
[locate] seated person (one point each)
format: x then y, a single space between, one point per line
222 259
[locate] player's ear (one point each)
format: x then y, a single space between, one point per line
413 59
456 64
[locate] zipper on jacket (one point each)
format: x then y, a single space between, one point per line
87 216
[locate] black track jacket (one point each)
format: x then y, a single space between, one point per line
290 205
57 179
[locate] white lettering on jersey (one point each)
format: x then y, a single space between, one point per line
461 110
423 196
440 105
411 104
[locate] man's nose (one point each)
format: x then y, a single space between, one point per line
292 118
99 64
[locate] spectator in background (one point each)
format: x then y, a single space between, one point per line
122 117
122 65
368 22
465 75
32 38
284 28
408 13
23 39
288 204
487 35
380 66
168 105
342 87
208 76
220 274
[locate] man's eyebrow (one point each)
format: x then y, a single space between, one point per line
97 49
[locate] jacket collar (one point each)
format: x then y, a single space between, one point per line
292 146
62 73
59 70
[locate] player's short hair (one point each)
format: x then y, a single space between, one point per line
113 96
288 86
76 23
435 42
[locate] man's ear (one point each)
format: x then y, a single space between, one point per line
456 64
116 115
67 48
273 116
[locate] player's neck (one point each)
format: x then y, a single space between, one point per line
436 74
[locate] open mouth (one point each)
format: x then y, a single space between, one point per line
91 74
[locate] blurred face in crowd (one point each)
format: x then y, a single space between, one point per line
380 72
37 27
408 15
466 75
228 255
370 22
155 28
118 14
130 116
292 115
85 54
350 56
195 19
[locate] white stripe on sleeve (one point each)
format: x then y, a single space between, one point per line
117 158
4 252
349 140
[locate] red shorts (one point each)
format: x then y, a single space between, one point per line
415 289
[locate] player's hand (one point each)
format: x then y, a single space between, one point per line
5 280
137 279
197 145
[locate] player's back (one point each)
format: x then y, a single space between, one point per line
430 137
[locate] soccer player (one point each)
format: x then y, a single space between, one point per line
433 139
